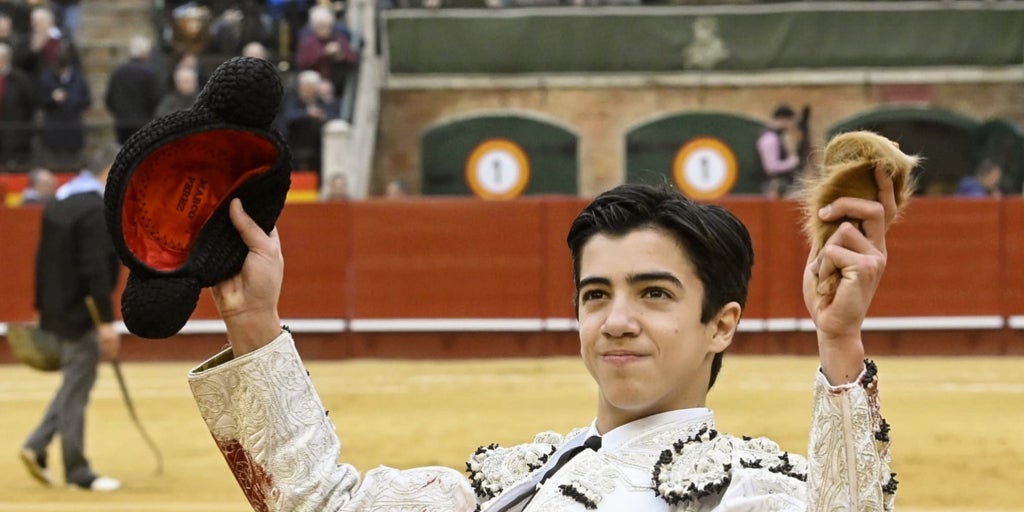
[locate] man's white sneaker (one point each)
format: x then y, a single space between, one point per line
36 467
99 484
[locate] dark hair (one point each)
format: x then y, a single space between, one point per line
784 112
716 241
986 166
34 174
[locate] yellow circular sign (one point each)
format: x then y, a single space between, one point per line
498 169
705 168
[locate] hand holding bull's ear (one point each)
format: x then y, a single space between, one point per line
851 162
850 207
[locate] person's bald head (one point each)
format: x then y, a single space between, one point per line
186 80
321 21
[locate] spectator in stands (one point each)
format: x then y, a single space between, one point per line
256 50
337 188
18 105
326 49
288 16
18 11
183 60
46 43
133 92
332 104
983 183
42 184
778 158
65 96
395 189
13 38
69 16
303 114
239 23
186 88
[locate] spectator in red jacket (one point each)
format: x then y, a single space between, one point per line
326 48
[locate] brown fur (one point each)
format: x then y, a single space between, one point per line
848 171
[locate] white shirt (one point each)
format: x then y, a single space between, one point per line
622 453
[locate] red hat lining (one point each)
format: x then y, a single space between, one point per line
176 189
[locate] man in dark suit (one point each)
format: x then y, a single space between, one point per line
133 91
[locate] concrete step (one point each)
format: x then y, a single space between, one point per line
115 22
88 5
102 41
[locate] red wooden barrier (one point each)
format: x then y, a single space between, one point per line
944 259
19 235
1012 256
464 258
446 258
559 288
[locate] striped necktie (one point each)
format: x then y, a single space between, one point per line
592 443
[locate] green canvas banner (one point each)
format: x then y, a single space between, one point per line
723 38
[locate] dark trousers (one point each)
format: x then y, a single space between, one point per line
66 413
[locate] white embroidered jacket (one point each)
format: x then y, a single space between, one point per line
269 423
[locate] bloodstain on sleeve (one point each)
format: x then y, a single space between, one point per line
256 484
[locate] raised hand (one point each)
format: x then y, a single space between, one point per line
248 301
859 256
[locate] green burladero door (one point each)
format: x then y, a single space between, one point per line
705 154
953 144
499 157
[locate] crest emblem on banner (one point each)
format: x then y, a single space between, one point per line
706 49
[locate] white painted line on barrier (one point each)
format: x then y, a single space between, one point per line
932 323
337 325
195 327
751 325
447 325
316 325
297 325
561 324
1016 322
782 324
